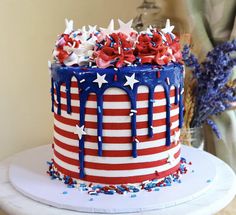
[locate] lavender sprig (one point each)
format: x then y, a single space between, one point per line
212 94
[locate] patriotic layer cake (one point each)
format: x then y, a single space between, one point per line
117 102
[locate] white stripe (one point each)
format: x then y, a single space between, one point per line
115 133
112 90
117 119
112 146
118 105
117 91
118 173
119 160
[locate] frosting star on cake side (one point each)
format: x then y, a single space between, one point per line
118 107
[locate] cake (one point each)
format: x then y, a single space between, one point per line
117 98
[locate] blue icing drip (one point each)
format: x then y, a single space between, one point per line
52 94
150 112
99 122
83 99
68 96
133 122
146 76
168 106
176 95
58 86
181 107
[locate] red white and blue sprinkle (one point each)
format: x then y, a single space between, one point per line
96 189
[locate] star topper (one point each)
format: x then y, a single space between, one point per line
92 29
130 81
100 80
125 27
109 29
69 26
80 131
168 28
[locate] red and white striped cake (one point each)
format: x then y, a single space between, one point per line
117 98
116 165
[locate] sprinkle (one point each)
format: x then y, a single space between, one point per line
168 81
119 51
81 81
208 181
133 111
136 140
158 74
152 100
65 192
94 67
91 199
116 69
115 77
94 193
87 88
99 109
131 114
99 138
133 195
182 91
90 64
127 62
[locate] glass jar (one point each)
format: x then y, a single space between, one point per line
193 137
148 14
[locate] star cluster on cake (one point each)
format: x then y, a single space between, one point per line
106 47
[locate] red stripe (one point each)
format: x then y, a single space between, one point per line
73 84
117 112
107 139
114 153
127 166
117 180
114 126
119 98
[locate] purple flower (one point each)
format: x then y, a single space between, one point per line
213 96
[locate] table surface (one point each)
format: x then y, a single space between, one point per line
12 202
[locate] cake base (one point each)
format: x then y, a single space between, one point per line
27 174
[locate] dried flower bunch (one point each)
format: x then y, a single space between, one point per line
211 87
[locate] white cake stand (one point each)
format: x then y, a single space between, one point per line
27 174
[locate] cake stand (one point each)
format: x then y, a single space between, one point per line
209 186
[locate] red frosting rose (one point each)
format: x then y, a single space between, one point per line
63 42
117 50
151 49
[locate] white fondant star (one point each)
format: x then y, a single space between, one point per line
92 29
109 29
170 158
100 80
168 28
80 131
130 81
176 136
69 26
125 27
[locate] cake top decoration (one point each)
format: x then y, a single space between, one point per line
106 47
